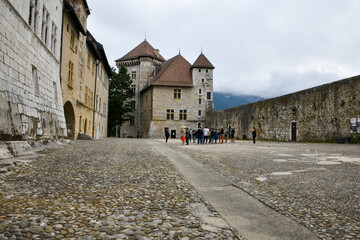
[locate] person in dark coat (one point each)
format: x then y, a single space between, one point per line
253 131
167 135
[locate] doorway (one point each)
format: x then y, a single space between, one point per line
293 131
173 133
70 119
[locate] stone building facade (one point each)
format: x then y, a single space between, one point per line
30 93
85 74
168 94
324 113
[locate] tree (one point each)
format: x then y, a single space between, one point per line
119 94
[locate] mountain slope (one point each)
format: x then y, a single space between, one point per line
223 100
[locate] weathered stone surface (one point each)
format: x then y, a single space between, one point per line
30 96
321 113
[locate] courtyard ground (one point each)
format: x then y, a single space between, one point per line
126 189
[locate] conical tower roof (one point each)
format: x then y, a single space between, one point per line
144 49
202 62
174 72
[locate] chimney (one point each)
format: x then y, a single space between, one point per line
156 51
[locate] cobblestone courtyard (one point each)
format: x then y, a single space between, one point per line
106 189
123 189
317 185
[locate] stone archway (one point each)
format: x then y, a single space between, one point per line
70 119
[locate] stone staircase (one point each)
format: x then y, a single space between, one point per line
82 136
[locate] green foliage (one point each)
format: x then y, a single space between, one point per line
119 94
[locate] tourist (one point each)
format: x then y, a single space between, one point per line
199 134
183 131
216 135
226 135
253 131
206 134
232 135
167 134
221 133
187 136
193 132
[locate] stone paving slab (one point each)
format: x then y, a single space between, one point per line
317 185
104 189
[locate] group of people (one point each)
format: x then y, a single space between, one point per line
207 136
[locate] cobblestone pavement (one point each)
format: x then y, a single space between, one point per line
317 185
105 189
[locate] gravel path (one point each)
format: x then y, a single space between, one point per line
105 189
318 185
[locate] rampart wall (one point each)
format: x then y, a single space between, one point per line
324 113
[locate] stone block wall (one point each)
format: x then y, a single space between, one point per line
321 113
30 92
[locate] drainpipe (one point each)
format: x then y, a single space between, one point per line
93 123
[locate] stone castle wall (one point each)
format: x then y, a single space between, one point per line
322 113
30 92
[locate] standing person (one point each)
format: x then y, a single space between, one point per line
253 131
206 135
187 136
226 134
216 134
183 131
221 131
232 134
193 135
199 135
167 134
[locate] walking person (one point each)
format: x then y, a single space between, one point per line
253 131
167 134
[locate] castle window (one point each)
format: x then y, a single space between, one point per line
183 114
170 114
72 41
207 70
71 74
53 38
199 100
88 61
199 113
132 121
208 95
132 105
45 25
202 80
199 125
133 75
133 87
199 70
177 93
200 90
35 79
33 14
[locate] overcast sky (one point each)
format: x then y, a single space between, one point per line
258 47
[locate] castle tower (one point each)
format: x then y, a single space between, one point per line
141 63
202 75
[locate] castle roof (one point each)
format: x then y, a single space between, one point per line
202 62
144 49
174 72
